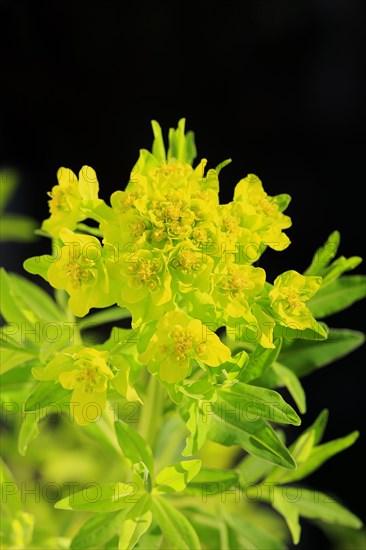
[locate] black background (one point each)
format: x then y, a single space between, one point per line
276 85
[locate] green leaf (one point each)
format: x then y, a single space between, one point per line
283 200
98 530
137 522
197 426
252 469
17 380
28 310
318 426
255 470
259 361
175 526
175 478
251 535
10 494
249 401
338 295
317 456
28 431
340 266
289 511
36 299
324 255
11 358
45 395
102 497
317 332
293 384
158 148
255 436
134 446
17 228
294 501
210 481
211 475
10 304
8 185
302 357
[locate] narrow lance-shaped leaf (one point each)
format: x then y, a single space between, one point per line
17 228
134 446
211 481
302 357
158 148
315 459
28 432
197 425
293 384
338 295
251 535
338 267
259 361
254 401
102 497
324 255
292 502
47 394
11 358
10 493
136 523
175 526
98 530
289 512
175 478
257 437
37 300
316 505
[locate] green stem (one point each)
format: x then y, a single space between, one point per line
152 411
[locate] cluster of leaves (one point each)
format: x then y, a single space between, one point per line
167 255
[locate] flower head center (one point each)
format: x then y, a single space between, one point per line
294 300
157 235
186 261
200 235
146 273
231 223
127 202
183 342
79 271
59 199
137 228
266 206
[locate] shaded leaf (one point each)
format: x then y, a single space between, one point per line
175 526
338 295
134 446
102 497
302 357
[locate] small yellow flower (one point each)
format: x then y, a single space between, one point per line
290 292
84 371
72 200
80 270
261 213
177 342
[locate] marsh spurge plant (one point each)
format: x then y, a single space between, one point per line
210 340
